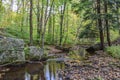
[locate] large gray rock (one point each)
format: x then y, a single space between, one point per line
11 44
35 53
11 49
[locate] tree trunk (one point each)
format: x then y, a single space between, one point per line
118 18
67 24
23 12
31 24
38 21
100 25
53 35
50 29
41 23
11 5
44 26
61 23
45 22
106 23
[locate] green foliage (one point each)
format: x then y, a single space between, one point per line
89 32
44 56
79 14
114 51
75 55
17 33
114 34
27 55
34 58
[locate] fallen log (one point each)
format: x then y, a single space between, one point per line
97 47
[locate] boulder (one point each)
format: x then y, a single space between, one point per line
93 48
34 53
82 52
11 50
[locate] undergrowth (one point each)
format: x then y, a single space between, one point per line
114 51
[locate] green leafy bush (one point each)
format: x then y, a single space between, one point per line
114 51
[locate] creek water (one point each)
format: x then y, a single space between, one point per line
34 71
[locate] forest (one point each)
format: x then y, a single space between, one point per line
79 37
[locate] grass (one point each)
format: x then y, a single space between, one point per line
114 51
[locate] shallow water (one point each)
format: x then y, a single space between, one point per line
36 71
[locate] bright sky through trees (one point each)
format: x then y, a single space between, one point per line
13 6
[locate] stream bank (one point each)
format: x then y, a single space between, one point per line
36 70
99 66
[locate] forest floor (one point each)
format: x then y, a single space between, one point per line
56 53
99 66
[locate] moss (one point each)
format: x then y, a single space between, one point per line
27 55
34 58
44 56
1 51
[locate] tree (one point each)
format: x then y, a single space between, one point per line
118 17
100 25
44 25
53 35
106 22
23 12
63 8
31 23
38 21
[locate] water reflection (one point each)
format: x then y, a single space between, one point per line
13 74
51 69
34 72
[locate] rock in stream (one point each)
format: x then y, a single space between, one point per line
11 49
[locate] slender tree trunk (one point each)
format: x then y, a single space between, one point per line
100 25
31 24
23 12
49 26
38 21
61 27
11 5
53 35
41 22
44 26
118 18
53 25
67 24
18 6
50 29
106 23
61 23
0 3
45 22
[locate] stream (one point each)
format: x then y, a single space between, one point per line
38 71
34 71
